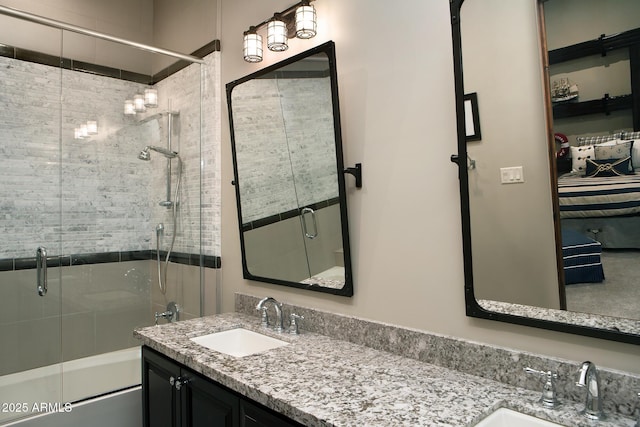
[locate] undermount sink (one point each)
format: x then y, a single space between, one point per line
505 417
239 342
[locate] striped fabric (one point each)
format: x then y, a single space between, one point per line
585 197
581 258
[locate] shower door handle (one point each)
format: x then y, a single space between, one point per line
41 269
313 235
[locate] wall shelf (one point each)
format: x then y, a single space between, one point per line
601 46
605 105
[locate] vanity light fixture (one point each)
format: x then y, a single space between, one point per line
298 21
138 103
305 21
141 101
92 127
151 98
129 108
252 46
277 34
85 130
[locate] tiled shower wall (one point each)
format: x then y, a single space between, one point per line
104 199
268 133
109 197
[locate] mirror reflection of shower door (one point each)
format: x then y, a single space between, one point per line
30 217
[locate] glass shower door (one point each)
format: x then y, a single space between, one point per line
30 217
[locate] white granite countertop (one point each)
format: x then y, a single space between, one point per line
320 381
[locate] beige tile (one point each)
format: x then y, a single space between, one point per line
114 328
78 335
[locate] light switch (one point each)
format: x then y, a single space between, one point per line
511 175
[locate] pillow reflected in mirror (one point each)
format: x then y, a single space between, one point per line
615 149
608 167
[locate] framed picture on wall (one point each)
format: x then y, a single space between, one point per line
471 117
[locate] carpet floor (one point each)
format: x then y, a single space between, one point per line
618 295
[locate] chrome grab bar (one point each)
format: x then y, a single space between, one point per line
304 223
41 268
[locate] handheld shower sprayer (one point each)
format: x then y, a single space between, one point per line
146 153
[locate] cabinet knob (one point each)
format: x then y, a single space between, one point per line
172 381
180 382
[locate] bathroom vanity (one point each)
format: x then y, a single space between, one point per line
321 380
175 395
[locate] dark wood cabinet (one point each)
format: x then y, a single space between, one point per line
175 396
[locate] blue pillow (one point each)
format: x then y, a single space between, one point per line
608 167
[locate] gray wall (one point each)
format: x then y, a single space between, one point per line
398 116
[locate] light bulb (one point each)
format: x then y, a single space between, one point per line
150 98
277 34
252 46
129 108
138 103
305 21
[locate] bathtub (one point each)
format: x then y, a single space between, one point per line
37 391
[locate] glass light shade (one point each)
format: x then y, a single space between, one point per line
84 132
305 22
150 98
92 127
138 103
129 108
277 35
252 47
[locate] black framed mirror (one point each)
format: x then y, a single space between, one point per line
289 174
514 256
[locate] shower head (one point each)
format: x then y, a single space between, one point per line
146 155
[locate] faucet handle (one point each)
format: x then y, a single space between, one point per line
293 327
264 320
549 397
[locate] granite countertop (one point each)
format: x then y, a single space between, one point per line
321 381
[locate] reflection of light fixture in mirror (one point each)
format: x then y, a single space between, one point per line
305 21
150 98
129 108
92 127
138 103
277 34
298 21
85 130
252 46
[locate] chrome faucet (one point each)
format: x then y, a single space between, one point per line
589 378
279 327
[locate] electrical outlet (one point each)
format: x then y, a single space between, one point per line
511 175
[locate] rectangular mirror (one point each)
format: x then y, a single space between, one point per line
518 237
288 169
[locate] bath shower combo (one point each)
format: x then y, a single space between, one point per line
145 155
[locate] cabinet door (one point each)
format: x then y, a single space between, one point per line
205 404
160 400
252 415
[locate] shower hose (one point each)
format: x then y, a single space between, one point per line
162 266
